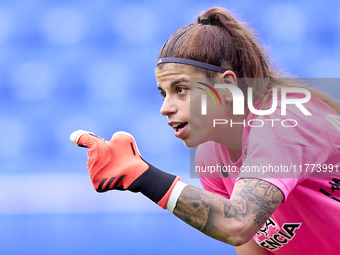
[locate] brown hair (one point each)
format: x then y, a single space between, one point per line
227 42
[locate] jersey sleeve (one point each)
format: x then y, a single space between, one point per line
283 153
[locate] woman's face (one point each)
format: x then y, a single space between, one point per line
183 103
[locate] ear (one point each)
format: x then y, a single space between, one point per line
229 77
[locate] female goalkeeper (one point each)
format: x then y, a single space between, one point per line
269 167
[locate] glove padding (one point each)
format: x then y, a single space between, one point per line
117 164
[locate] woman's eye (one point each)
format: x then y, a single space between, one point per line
163 95
181 90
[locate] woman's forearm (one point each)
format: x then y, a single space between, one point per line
234 220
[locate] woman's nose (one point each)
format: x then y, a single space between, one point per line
169 107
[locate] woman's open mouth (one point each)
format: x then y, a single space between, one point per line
179 128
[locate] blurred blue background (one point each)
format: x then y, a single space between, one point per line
68 65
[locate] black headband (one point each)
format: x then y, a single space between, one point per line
192 63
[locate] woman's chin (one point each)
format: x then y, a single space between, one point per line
192 142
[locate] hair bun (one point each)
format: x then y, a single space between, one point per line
214 19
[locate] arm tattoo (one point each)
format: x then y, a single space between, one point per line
263 196
252 203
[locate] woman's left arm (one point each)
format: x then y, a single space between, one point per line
235 220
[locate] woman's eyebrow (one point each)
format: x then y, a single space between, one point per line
175 82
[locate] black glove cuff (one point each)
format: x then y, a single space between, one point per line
153 183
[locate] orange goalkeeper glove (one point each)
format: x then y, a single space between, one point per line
117 164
